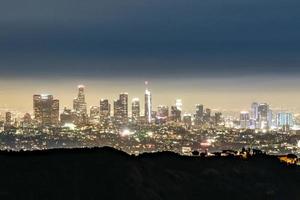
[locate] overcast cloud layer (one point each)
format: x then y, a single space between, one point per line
149 38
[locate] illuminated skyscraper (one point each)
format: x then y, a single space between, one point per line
55 112
264 116
199 114
121 108
46 109
162 114
94 113
244 119
104 109
179 104
135 109
148 104
79 104
254 111
124 104
175 114
284 119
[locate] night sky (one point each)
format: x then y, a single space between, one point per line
202 47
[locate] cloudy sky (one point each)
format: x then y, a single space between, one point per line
201 51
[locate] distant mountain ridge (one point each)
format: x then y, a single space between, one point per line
107 173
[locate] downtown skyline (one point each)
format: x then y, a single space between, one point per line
211 92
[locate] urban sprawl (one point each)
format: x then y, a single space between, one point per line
148 130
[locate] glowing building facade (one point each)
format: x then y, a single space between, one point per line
135 109
46 110
148 106
244 119
79 104
104 109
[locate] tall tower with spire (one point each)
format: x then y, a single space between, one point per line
148 104
79 103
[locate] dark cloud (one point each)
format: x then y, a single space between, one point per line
149 37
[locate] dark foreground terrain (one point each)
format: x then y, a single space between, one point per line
106 173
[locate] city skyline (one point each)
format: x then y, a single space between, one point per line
212 92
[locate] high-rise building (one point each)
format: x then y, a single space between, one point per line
124 104
254 111
104 109
244 119
218 117
94 113
67 116
187 120
135 109
79 104
46 110
284 119
27 118
207 115
8 118
264 116
162 114
121 108
175 114
178 104
199 114
55 112
148 105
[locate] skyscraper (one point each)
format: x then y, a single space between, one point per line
121 108
207 115
264 116
199 114
148 104
284 119
55 112
79 104
94 113
8 118
162 114
244 119
218 118
175 114
179 104
46 109
104 109
254 111
135 109
124 105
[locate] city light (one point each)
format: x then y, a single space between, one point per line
126 132
168 127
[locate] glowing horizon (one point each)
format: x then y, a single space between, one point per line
232 94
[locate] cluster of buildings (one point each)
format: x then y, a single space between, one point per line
136 126
262 117
46 113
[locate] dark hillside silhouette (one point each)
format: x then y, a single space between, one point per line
106 173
